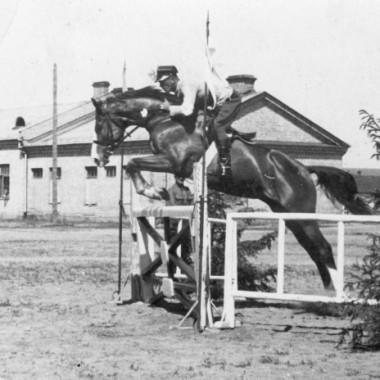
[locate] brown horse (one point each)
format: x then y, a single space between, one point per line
257 172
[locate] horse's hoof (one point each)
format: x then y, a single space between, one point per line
158 194
152 193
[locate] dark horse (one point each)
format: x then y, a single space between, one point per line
284 184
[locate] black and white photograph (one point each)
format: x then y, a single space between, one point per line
189 189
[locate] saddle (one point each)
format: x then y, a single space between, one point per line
190 124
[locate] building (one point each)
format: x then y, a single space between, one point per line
86 191
281 127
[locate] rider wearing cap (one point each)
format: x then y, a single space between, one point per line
225 107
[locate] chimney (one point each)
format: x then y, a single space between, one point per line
243 83
19 123
100 89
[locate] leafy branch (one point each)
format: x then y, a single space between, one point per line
251 277
372 126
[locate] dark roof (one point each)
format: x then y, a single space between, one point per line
76 122
367 180
363 171
368 184
31 116
75 125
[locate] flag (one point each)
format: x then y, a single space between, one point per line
219 88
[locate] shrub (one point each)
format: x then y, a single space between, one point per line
366 275
366 279
250 277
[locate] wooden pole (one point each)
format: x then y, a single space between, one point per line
281 256
121 213
203 285
54 149
124 82
121 201
340 261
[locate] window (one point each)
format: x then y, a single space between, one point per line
59 172
4 181
90 196
92 171
37 173
110 171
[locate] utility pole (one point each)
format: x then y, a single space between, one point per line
54 215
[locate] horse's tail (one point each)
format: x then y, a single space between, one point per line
340 186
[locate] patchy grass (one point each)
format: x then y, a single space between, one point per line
58 321
56 255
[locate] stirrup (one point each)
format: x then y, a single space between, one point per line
225 170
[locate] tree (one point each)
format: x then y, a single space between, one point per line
251 277
372 126
366 274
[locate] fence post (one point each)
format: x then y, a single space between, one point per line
340 261
230 276
281 256
202 250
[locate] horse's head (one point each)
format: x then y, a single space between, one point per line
109 130
116 113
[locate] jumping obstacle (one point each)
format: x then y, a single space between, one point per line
231 291
146 241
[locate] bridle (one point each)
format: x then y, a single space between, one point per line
112 143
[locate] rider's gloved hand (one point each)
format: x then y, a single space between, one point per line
165 106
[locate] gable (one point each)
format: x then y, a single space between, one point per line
272 120
269 125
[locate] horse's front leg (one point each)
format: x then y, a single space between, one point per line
158 164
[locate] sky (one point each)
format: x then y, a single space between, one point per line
320 57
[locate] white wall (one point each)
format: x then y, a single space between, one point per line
74 187
15 205
79 196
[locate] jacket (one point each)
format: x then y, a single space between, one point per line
193 93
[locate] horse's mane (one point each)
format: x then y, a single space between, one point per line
150 92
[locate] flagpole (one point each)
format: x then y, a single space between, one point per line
202 271
124 80
121 201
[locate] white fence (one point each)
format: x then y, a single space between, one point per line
231 290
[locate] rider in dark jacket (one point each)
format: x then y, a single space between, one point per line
226 106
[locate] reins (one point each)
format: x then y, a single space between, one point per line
114 144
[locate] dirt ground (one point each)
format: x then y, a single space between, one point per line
58 321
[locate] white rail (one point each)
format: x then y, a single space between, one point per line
231 276
164 211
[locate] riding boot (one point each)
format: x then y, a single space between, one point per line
224 168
